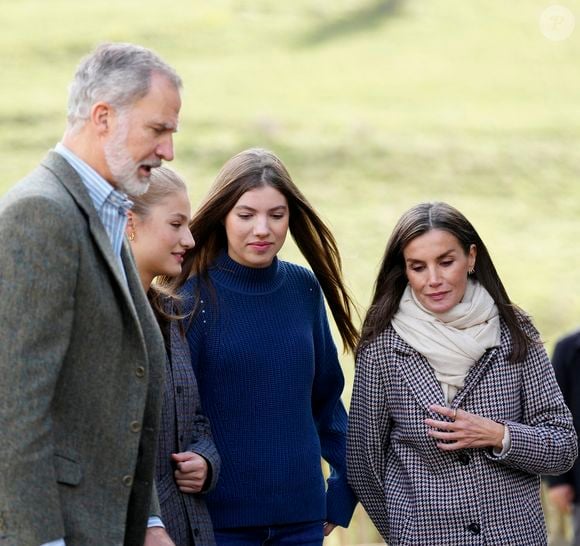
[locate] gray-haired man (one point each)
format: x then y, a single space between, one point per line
81 356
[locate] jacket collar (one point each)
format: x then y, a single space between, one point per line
71 181
420 377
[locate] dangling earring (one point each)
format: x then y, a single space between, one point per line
470 272
132 236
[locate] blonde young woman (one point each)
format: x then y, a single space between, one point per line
187 460
266 363
455 411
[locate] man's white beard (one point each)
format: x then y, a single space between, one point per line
124 170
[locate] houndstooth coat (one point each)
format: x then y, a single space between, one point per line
417 494
184 428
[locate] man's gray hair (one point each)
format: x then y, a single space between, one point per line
116 73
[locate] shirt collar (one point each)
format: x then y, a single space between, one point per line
100 191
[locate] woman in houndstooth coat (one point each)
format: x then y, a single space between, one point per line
455 411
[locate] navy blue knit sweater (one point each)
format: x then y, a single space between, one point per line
270 382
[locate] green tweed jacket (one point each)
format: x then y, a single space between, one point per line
81 372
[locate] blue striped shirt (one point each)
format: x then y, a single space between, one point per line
111 204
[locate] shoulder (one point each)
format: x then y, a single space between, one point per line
301 285
570 341
300 280
27 208
387 343
187 293
567 351
527 325
190 284
39 193
300 274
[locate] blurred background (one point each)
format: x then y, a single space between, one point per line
374 105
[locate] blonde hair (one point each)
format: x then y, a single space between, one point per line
163 182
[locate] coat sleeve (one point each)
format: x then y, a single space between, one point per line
202 441
331 421
544 441
368 438
562 361
154 507
38 263
203 444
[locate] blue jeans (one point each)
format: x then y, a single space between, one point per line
295 534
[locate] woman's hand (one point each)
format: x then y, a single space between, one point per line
191 471
466 430
328 528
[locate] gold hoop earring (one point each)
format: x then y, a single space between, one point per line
132 236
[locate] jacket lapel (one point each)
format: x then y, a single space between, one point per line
70 179
133 289
421 379
479 369
182 384
474 376
417 373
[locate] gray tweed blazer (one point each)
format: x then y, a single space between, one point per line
81 368
417 494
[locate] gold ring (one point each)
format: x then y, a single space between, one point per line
454 414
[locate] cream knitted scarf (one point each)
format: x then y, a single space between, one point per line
453 341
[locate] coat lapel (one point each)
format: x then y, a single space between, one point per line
421 379
133 290
474 376
182 385
479 369
70 179
417 373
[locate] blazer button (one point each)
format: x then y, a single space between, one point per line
140 371
474 528
128 480
135 426
196 532
463 458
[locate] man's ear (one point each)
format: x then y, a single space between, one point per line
102 117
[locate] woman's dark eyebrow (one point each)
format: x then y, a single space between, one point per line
445 254
247 207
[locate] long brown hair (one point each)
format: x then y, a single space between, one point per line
392 279
255 168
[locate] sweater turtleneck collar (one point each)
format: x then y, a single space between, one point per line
241 278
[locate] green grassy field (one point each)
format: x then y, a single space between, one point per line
373 106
